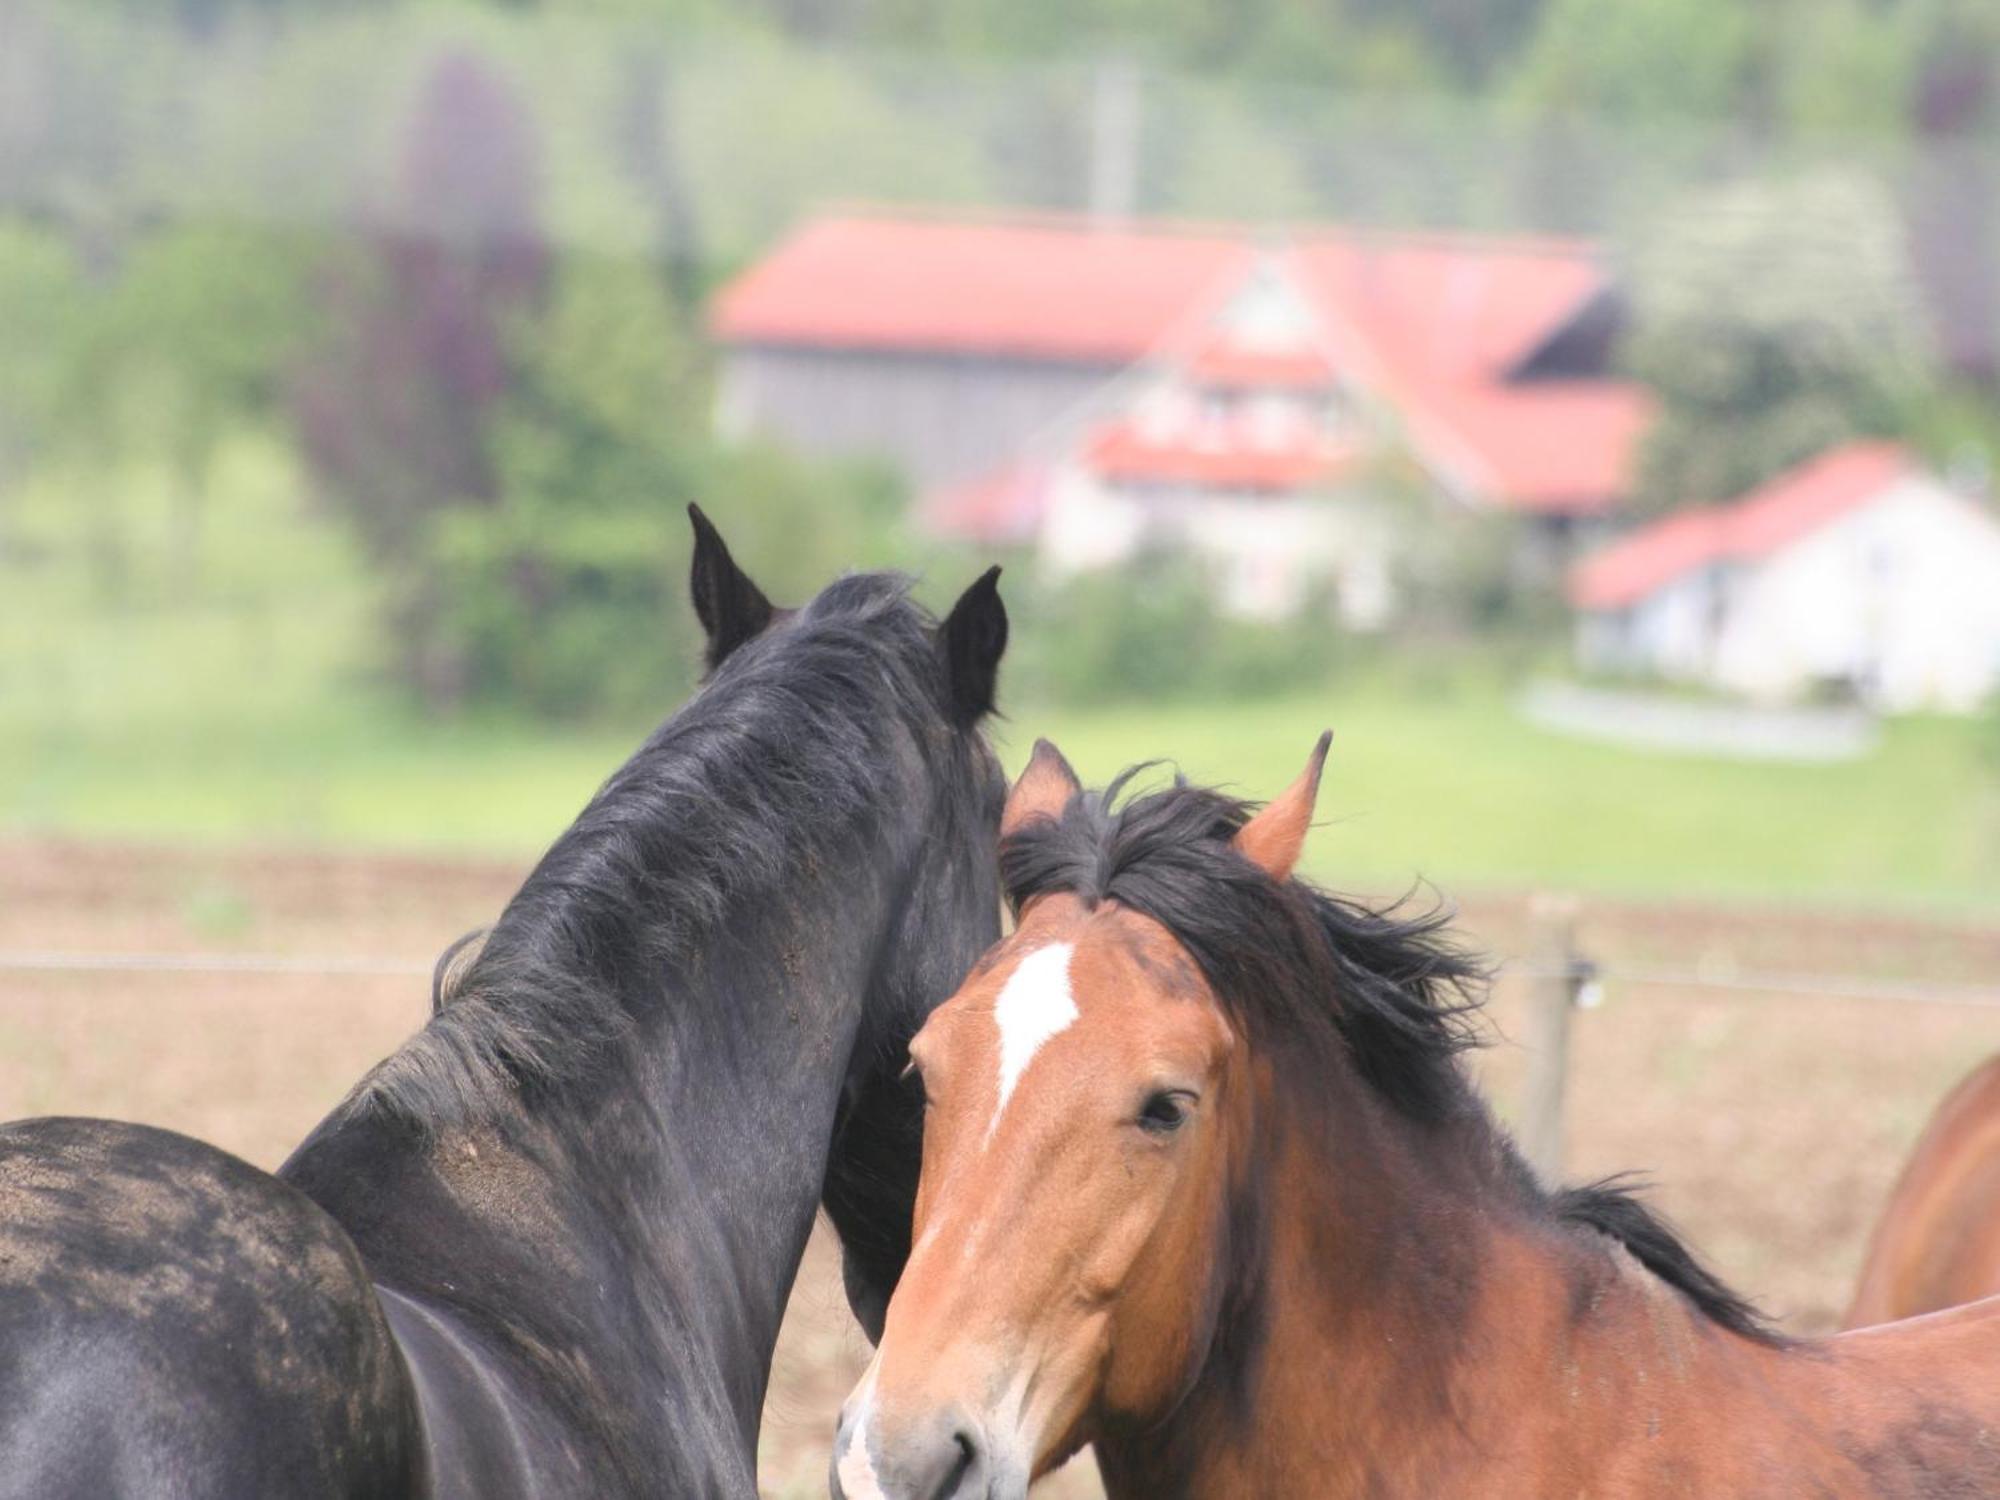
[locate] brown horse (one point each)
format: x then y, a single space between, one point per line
1204 1185
1938 1241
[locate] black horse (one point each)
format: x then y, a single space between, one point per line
543 1249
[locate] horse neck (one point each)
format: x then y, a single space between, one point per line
1399 1332
662 1204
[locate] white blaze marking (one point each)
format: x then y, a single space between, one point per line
1034 1005
857 1470
858 1480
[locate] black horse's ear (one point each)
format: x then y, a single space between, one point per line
731 608
973 638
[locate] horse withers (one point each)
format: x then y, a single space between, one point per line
543 1249
1205 1186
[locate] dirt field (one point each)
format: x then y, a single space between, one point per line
1771 1126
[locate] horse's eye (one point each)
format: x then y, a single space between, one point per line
1164 1112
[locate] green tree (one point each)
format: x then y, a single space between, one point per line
566 595
556 595
1637 60
188 342
41 303
1846 65
179 338
1772 319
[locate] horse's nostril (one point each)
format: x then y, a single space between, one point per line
966 1478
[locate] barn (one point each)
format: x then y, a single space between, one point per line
1091 390
1857 572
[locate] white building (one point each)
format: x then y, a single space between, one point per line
1237 444
1856 571
1262 403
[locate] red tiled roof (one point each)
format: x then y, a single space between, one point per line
1121 450
1430 322
1804 498
1551 447
1229 363
1002 508
1630 569
1453 306
1434 325
1047 290
1763 522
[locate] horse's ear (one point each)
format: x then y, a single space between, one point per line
973 637
1273 839
731 608
1043 791
454 964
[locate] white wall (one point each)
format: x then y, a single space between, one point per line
1268 552
940 419
1901 596
1670 634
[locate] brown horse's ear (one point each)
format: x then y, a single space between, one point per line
1043 791
731 608
1273 839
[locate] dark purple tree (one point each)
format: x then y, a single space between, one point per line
395 405
1951 192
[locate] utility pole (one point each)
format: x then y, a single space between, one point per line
1114 140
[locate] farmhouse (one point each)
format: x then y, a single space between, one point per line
1857 571
1094 390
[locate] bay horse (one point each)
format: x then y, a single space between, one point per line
1205 1185
544 1247
1937 1243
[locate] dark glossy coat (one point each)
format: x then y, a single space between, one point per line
545 1247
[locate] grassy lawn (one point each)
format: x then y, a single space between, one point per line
1451 785
242 713
1444 785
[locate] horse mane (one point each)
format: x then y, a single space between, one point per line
1324 976
769 768
1388 986
1611 1207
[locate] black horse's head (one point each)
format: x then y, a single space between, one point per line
946 902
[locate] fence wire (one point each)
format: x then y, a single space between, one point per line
57 961
1802 986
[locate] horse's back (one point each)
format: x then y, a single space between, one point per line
1916 1403
175 1322
1971 1326
1938 1241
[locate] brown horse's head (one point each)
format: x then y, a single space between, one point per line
1086 1088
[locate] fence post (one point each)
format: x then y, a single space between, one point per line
1556 978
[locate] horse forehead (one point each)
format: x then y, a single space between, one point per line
1125 959
1068 964
1119 959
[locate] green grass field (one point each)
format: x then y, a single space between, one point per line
248 717
1446 786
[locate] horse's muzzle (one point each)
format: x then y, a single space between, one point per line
944 1455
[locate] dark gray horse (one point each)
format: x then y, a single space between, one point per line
543 1249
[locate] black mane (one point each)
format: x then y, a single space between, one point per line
1311 974
765 771
1611 1208
1389 989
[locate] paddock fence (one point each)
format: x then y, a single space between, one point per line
1560 979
